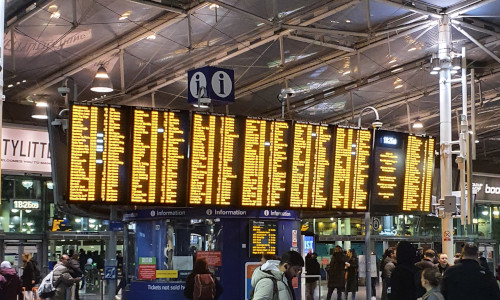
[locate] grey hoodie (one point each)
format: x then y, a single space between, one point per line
264 288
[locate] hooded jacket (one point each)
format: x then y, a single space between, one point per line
404 278
63 279
264 287
10 284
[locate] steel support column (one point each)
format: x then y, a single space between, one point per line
445 130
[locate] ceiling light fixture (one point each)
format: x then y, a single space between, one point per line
346 73
398 86
418 124
213 6
42 104
348 21
102 83
396 70
456 62
412 49
55 15
152 37
40 113
393 59
124 16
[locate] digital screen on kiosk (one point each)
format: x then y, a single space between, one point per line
97 154
351 169
310 166
265 163
263 237
159 157
402 175
214 160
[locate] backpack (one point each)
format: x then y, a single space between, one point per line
204 287
36 271
47 288
275 284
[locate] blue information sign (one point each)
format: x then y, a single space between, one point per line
109 272
212 83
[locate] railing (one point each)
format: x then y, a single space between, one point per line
319 282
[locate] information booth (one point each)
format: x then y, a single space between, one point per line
168 240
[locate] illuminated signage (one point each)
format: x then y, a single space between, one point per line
214 160
97 154
265 163
26 204
310 166
159 157
351 167
403 169
263 237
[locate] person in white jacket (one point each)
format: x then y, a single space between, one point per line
272 280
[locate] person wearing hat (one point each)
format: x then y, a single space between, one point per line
10 283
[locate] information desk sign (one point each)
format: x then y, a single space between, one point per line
351 169
263 237
265 165
147 268
97 154
213 258
159 157
402 176
211 82
312 151
215 161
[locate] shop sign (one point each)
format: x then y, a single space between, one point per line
486 187
26 204
147 272
25 150
167 274
213 258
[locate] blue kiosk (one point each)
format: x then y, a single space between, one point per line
168 240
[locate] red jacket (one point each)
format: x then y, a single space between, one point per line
10 284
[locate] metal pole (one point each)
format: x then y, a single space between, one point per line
473 111
463 132
111 255
445 129
368 257
2 96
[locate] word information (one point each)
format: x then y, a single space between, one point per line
264 164
213 163
351 169
158 157
310 166
418 174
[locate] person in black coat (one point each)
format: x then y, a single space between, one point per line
336 273
352 274
404 278
28 276
426 263
312 268
468 280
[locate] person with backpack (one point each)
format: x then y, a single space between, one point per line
10 283
272 280
431 279
28 276
201 284
62 279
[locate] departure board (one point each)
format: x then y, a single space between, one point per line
263 235
419 168
351 169
214 160
159 157
310 166
97 154
265 167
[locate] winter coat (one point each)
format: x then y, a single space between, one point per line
28 276
404 281
389 266
264 287
63 279
443 269
10 284
188 291
312 268
74 268
421 266
468 280
336 270
433 294
352 275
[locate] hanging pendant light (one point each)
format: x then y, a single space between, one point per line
40 111
102 83
418 124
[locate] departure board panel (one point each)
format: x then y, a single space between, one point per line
214 160
265 167
263 235
310 166
419 168
97 154
159 157
351 169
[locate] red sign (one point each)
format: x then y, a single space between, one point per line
147 272
447 236
213 258
294 238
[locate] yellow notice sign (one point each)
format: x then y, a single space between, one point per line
167 273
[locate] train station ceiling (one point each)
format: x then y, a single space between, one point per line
331 58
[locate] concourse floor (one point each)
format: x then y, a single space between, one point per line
360 295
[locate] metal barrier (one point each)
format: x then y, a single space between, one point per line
319 282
